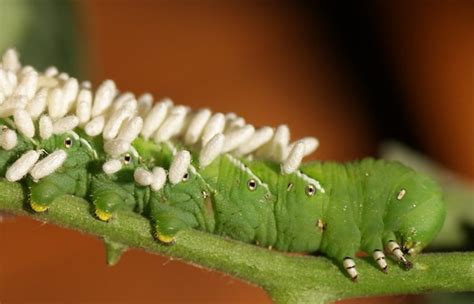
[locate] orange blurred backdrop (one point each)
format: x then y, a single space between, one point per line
272 63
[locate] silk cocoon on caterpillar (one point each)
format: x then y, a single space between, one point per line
194 169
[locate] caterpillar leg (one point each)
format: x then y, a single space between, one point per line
373 246
350 267
44 192
343 253
41 196
344 250
396 251
169 220
109 196
105 204
379 258
341 242
167 225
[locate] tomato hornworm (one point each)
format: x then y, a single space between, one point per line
185 169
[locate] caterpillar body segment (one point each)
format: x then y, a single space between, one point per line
243 204
239 203
234 207
188 204
296 196
341 208
365 211
185 169
73 176
110 193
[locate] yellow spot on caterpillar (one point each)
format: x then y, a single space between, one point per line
37 207
102 215
165 239
321 225
401 194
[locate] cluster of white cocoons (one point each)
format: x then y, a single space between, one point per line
60 103
33 99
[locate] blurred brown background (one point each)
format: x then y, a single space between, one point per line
351 75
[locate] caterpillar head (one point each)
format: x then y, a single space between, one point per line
418 211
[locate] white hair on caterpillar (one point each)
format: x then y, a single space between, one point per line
37 105
5 85
258 139
196 126
120 100
104 96
113 124
310 143
65 124
48 165
8 139
63 76
131 129
145 102
45 127
95 126
70 91
22 166
24 123
214 126
154 119
293 161
86 84
11 104
11 60
235 138
159 178
172 125
233 123
56 107
84 106
116 147
143 177
211 150
27 85
179 166
112 166
51 71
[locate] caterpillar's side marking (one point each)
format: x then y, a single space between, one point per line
311 181
401 194
185 169
241 166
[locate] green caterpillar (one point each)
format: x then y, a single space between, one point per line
186 169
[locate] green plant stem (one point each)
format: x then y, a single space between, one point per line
288 279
